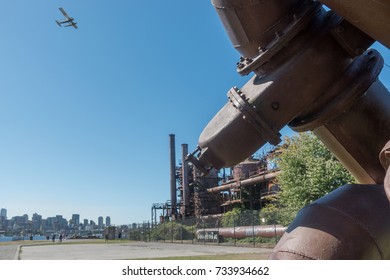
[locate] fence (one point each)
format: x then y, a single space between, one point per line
244 228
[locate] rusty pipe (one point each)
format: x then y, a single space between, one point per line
314 67
350 223
370 16
246 182
242 20
355 133
268 231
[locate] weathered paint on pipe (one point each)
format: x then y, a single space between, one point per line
268 231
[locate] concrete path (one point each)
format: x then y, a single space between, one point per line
9 252
128 250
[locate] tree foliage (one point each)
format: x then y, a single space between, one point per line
309 171
172 231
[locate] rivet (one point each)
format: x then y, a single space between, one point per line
340 29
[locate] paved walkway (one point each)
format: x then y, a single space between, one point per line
8 252
120 251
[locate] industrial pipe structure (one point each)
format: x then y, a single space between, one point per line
246 182
268 231
313 71
185 183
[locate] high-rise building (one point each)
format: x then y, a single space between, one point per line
108 221
76 220
3 217
36 221
100 222
3 213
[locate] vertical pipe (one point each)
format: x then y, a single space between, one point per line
186 191
172 173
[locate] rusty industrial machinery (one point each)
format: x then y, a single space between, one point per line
268 231
313 70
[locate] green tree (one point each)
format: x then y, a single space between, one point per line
309 171
172 231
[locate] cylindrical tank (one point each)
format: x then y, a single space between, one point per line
244 169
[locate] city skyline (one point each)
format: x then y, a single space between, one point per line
105 217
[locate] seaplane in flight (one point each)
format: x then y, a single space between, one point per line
69 21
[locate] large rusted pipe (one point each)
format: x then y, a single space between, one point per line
252 24
352 222
268 231
355 133
371 16
251 181
315 57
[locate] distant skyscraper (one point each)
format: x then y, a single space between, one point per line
108 221
3 212
3 217
36 221
76 220
100 222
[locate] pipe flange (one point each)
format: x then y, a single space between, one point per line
350 87
300 21
249 114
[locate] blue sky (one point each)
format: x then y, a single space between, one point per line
85 114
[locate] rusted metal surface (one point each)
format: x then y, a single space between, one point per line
310 76
246 182
250 25
371 16
313 72
268 231
355 124
247 168
352 222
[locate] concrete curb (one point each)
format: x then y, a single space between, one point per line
17 254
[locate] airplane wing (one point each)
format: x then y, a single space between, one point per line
73 24
64 13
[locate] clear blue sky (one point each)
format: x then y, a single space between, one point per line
85 114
